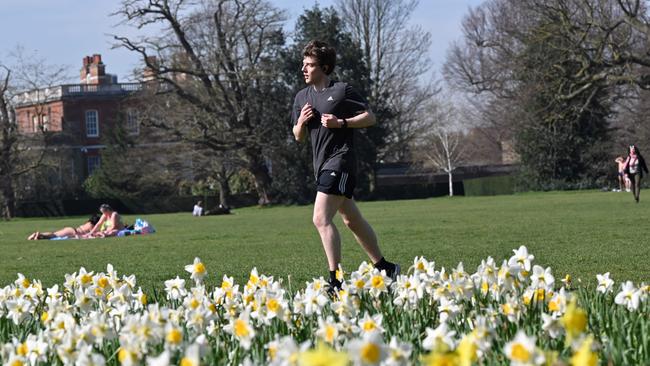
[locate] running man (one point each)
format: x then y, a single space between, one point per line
330 111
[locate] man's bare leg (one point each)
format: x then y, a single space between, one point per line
325 208
363 232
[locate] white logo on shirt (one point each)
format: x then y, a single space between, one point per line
330 99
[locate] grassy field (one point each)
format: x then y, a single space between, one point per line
579 233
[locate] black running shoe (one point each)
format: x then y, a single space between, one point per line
395 272
333 288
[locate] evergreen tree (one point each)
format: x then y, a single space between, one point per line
325 25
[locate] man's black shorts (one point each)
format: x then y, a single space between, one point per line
333 182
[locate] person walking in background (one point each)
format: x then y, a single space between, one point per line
634 168
331 111
623 181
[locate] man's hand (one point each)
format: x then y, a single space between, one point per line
330 121
306 113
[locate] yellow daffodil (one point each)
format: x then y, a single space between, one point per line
574 320
322 355
584 356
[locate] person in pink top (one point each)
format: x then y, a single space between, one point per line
634 168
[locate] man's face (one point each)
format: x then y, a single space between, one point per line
312 71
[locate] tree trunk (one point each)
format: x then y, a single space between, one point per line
262 178
451 184
224 192
9 200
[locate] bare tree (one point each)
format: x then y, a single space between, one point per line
396 56
26 82
219 59
442 147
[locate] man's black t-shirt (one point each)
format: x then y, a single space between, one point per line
333 149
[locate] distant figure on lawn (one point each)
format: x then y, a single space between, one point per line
623 180
109 224
634 168
198 209
221 210
67 231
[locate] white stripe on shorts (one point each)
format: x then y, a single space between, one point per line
342 183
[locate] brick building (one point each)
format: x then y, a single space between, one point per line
76 117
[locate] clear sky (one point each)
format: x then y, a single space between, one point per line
64 31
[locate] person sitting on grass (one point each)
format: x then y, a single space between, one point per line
68 231
198 209
111 221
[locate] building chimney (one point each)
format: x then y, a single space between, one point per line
149 73
93 71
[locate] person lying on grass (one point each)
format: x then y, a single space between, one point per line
66 231
108 225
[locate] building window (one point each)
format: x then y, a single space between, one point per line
46 123
35 126
92 124
93 163
132 123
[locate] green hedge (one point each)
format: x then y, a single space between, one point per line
490 186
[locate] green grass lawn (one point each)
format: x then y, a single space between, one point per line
580 233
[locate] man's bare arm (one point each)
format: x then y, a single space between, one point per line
362 120
300 128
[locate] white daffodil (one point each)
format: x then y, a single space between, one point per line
84 278
85 299
488 269
512 309
421 266
522 259
163 359
483 332
409 291
605 284
19 309
241 329
552 326
38 348
274 306
629 296
378 283
253 278
175 288
440 339
313 301
508 275
22 282
557 303
399 353
285 351
87 357
345 305
369 350
365 268
447 309
192 356
328 330
369 324
358 282
521 351
542 277
197 270
130 354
